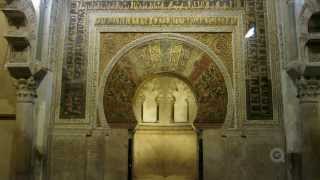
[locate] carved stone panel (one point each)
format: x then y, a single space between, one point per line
84 18
73 90
258 77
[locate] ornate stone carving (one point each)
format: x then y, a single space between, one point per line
308 89
169 56
258 80
73 93
26 90
170 4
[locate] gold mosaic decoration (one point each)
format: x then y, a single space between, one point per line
163 56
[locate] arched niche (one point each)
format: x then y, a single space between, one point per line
165 99
166 53
314 23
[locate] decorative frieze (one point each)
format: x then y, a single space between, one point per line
161 5
212 21
73 95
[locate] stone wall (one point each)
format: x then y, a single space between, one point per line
242 155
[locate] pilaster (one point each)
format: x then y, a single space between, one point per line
26 94
309 94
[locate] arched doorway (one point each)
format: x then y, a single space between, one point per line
169 56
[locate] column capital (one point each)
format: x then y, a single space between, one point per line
309 90
28 77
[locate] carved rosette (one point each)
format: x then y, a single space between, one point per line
26 90
309 90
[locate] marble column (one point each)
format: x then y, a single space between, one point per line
26 94
28 77
309 93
